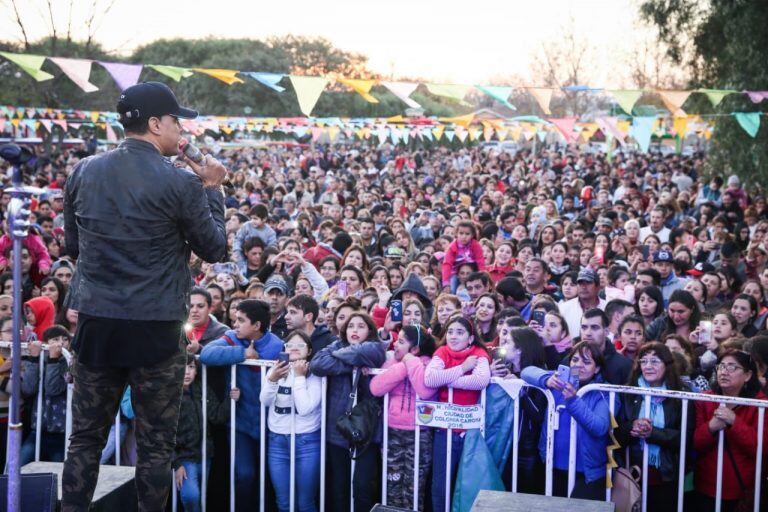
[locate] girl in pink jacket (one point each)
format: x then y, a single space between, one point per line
403 379
465 249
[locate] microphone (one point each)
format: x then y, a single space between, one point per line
191 151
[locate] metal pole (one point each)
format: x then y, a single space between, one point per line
385 451
204 480
233 385
39 405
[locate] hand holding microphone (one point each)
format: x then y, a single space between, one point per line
210 170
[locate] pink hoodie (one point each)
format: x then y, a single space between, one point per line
404 382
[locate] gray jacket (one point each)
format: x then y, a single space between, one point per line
131 220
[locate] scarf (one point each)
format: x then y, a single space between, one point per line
563 345
657 418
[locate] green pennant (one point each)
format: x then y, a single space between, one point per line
172 72
499 93
715 96
749 121
29 63
626 98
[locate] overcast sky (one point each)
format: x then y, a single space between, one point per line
445 41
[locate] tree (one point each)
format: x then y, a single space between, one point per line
723 44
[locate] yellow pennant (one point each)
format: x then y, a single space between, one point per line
228 76
361 87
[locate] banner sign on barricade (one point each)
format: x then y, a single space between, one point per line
446 415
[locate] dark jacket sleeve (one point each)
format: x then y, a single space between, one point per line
71 235
202 218
30 377
217 410
55 384
370 354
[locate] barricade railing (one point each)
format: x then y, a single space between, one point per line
512 386
685 397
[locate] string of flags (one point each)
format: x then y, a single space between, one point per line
308 89
20 122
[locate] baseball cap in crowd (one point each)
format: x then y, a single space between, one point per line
604 221
55 193
701 268
662 257
276 282
61 263
150 99
587 275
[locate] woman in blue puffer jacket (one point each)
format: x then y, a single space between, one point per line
593 419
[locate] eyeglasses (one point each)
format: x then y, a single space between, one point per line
651 362
728 367
290 346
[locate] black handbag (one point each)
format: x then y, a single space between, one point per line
359 422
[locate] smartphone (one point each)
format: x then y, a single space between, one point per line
574 378
499 354
538 317
564 373
646 252
396 311
705 332
600 254
227 268
341 288
282 357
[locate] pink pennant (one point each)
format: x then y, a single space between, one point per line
565 126
124 75
757 96
78 70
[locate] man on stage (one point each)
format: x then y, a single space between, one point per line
131 220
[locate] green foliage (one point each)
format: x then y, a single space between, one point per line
290 54
724 43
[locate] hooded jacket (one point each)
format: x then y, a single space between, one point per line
44 312
189 433
411 284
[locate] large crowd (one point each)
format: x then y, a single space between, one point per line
443 268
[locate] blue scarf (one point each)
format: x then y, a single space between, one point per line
657 419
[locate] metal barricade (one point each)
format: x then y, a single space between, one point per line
685 397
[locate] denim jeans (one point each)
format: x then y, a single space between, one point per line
306 468
190 488
439 451
51 447
108 453
247 457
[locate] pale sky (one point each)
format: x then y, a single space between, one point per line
443 41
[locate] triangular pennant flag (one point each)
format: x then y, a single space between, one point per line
426 133
316 133
333 131
403 90
641 130
47 123
749 121
94 116
464 120
308 90
542 96
474 133
394 135
488 134
608 125
565 127
172 72
680 125
2 125
453 91
124 75
31 64
405 134
674 100
267 79
542 135
462 135
499 93
502 134
626 98
437 131
62 123
757 96
449 135
78 70
228 76
715 96
361 87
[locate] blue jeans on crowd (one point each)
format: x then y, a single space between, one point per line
108 453
439 451
247 457
190 488
51 447
306 467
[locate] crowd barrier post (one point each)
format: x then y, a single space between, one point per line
685 397
385 450
204 447
68 420
323 422
232 410
449 447
416 458
352 471
263 443
117 435
174 492
39 406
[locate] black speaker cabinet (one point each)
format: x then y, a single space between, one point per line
39 492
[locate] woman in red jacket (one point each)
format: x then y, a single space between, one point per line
737 377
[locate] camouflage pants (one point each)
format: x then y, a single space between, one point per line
400 464
156 397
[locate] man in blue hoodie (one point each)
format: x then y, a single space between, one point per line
250 339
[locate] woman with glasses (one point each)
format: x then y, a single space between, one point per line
736 377
660 430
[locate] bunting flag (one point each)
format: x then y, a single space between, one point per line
464 121
680 126
626 98
757 96
308 90
565 126
438 131
361 87
403 91
172 72
674 100
31 64
499 93
453 91
449 135
228 76
78 70
267 79
715 96
124 75
641 130
749 121
542 96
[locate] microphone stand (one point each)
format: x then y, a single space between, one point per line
18 225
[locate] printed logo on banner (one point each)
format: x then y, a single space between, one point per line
444 415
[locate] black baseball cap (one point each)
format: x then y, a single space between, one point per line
151 99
